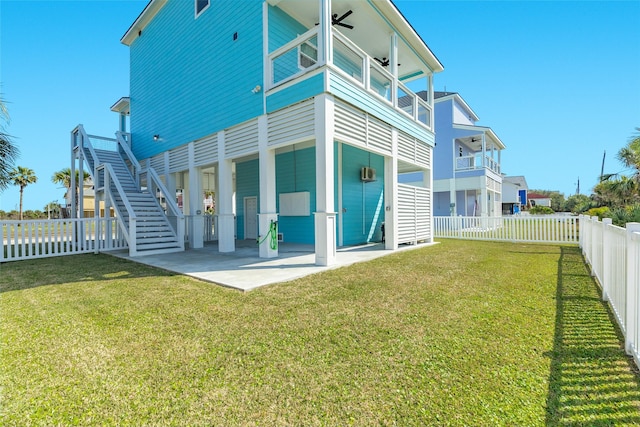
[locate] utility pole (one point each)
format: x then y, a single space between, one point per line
578 189
602 168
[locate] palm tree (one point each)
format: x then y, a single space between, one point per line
63 177
22 177
629 155
8 151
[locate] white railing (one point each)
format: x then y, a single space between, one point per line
210 232
614 256
155 185
474 161
300 56
55 237
526 228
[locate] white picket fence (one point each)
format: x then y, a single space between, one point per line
31 239
614 256
526 228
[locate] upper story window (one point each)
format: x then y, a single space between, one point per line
201 6
307 54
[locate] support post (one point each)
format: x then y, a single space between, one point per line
391 195
325 215
226 220
196 225
267 171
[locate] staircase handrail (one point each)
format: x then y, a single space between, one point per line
86 142
122 142
169 201
129 233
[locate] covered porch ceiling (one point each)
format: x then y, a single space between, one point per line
473 138
371 31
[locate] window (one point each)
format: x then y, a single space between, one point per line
201 6
308 54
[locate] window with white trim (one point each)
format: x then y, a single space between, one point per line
201 6
307 54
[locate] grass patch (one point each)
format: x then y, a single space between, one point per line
462 333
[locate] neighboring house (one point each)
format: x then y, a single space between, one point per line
514 194
302 113
536 199
466 178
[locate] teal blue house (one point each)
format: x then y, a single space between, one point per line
290 115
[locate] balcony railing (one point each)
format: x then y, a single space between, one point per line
474 162
300 56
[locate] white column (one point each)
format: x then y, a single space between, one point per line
484 196
391 195
196 225
325 41
484 151
226 224
325 215
452 184
267 171
393 56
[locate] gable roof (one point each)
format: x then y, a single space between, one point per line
455 97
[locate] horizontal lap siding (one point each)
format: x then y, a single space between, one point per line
414 207
190 78
294 177
247 185
305 89
295 123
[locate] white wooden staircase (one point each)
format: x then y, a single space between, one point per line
146 226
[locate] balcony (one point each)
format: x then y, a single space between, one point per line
300 57
474 162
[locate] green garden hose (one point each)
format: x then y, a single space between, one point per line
273 233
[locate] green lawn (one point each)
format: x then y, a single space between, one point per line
461 333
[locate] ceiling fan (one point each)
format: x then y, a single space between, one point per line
338 21
384 61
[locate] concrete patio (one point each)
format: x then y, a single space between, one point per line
245 270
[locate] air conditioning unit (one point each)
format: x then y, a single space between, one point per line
367 174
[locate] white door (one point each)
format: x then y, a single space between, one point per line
251 217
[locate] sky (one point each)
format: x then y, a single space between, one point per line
557 81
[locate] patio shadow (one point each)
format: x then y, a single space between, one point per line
592 381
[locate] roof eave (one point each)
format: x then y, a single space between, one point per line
142 20
483 129
398 20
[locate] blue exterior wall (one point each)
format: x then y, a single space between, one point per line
247 185
305 89
441 203
282 28
443 151
189 78
364 202
293 177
